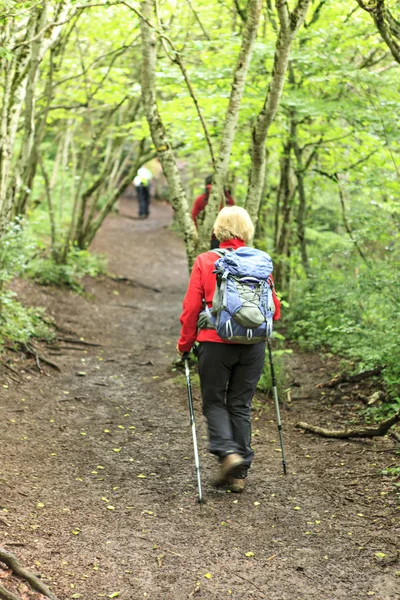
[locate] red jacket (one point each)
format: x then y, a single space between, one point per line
201 202
202 285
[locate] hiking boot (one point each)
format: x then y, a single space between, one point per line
237 485
228 464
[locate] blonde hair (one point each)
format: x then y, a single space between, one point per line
233 222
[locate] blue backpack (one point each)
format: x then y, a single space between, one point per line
243 307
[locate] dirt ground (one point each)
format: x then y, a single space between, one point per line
97 477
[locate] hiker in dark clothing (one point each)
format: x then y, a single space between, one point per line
201 202
142 186
229 372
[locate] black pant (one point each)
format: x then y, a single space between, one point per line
143 194
229 374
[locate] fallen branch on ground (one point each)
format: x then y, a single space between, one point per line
368 431
13 563
133 282
351 378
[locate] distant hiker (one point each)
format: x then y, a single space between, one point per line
231 360
142 185
201 202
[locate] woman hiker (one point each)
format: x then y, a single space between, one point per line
229 372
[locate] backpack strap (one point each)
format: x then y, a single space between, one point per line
220 251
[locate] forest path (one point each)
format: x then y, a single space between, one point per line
97 471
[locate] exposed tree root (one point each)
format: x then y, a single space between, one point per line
13 563
368 431
80 342
38 358
351 378
6 595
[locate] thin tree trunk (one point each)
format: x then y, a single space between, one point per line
289 25
159 135
385 24
231 119
286 193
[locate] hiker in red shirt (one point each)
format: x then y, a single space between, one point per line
201 202
229 372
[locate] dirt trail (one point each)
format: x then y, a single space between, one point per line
97 477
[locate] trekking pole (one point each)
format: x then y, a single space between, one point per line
192 423
278 413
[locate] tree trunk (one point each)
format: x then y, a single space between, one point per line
385 24
286 192
231 119
289 25
159 135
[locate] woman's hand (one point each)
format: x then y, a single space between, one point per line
179 352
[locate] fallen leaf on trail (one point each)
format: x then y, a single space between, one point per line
256 504
76 596
83 433
104 499
141 476
208 575
99 467
114 595
121 427
249 554
106 431
117 449
370 593
76 531
297 508
40 505
81 373
110 507
380 554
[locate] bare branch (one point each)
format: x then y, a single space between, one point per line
198 20
367 431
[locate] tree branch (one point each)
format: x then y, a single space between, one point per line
231 119
368 431
289 24
198 20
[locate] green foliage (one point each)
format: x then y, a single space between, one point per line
353 309
381 411
392 472
78 263
278 353
17 322
16 248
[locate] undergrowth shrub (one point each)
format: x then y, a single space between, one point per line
17 323
278 353
354 311
46 271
